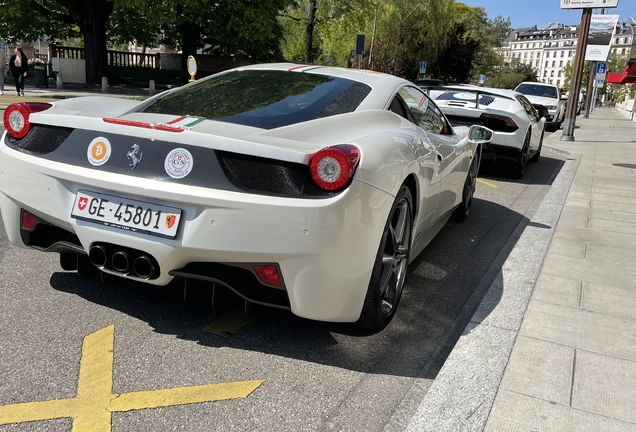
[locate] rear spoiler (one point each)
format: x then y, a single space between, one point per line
476 91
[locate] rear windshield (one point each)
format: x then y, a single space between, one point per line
537 90
263 98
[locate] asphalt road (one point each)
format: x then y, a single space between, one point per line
317 376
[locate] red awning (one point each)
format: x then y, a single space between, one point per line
628 76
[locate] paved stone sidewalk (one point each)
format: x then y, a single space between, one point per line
552 346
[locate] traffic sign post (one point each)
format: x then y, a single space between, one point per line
601 68
482 79
423 67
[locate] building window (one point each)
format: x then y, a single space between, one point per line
623 51
558 83
532 55
525 55
553 64
536 64
570 53
546 64
562 53
561 63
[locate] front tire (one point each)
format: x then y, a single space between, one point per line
389 270
462 211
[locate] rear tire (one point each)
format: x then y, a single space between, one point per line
389 270
537 155
519 166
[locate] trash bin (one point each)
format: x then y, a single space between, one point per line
41 76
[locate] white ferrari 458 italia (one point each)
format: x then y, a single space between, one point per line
304 188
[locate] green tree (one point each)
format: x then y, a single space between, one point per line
455 62
512 74
30 20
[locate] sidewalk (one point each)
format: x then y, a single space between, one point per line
44 94
552 346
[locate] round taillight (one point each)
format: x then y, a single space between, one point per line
16 117
332 168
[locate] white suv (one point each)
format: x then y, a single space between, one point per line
550 97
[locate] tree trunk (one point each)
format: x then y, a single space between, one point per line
91 17
375 19
309 32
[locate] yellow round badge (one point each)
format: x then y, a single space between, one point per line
98 151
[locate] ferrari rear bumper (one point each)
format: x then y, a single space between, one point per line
324 248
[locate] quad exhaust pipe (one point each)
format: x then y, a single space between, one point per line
121 261
98 256
127 261
144 266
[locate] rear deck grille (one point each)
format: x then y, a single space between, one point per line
41 139
270 176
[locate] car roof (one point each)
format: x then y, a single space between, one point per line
376 80
537 83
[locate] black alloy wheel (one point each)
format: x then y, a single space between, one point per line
389 271
537 155
519 165
463 210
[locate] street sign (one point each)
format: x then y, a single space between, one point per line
601 76
585 4
360 44
352 55
600 82
422 67
482 78
601 68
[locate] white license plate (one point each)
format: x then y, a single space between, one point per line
127 214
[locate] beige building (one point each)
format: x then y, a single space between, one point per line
549 50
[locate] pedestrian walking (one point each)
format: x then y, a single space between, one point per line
18 65
3 65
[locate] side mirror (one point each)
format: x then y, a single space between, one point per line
479 134
542 110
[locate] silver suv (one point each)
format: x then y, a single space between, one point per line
550 97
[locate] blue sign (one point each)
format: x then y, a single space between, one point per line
601 68
352 55
482 78
422 67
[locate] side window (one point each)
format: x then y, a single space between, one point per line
398 107
532 113
424 112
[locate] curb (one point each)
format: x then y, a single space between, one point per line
461 396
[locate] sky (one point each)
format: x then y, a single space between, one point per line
524 13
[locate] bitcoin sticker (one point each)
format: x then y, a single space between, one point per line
98 151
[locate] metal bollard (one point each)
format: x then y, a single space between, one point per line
104 84
60 83
151 87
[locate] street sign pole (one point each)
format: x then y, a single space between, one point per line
589 102
575 87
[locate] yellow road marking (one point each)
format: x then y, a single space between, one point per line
230 323
487 184
92 407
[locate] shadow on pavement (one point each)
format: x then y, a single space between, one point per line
440 284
